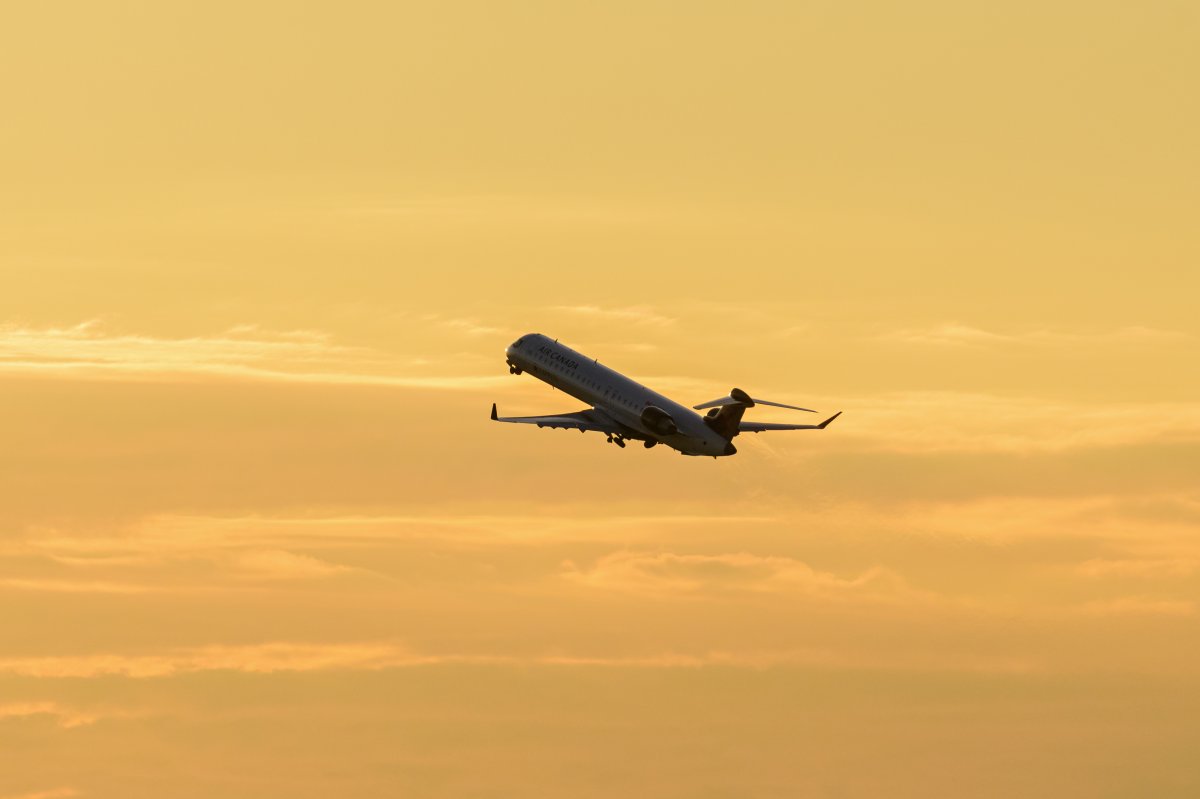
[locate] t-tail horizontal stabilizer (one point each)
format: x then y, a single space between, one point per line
726 415
739 397
759 427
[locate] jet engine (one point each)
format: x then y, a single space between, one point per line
659 421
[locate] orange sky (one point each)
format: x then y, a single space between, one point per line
260 264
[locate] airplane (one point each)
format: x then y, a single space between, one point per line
624 409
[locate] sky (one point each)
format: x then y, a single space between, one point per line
259 265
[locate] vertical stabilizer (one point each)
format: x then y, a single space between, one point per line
725 419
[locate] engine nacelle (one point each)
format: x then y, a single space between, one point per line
659 421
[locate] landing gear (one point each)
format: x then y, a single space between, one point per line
512 370
650 442
618 440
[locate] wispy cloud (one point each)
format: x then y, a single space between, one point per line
278 564
241 352
213 565
66 586
65 717
262 538
669 573
471 327
954 334
466 326
638 315
88 342
1139 606
507 209
284 657
957 421
1144 568
258 659
52 793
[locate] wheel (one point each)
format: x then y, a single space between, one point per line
620 443
650 442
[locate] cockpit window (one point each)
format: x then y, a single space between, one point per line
520 341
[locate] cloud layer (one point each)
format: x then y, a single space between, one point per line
243 352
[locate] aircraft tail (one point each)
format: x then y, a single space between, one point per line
725 416
726 413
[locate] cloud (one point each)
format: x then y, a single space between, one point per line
86 342
792 330
212 553
53 793
507 209
671 574
466 326
1175 508
71 586
1138 606
953 334
1158 568
278 564
972 422
170 535
66 718
93 561
638 315
792 658
285 657
1009 519
255 659
143 572
241 352
640 346
946 335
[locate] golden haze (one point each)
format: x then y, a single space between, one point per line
260 263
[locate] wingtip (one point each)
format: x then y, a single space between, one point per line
493 411
825 423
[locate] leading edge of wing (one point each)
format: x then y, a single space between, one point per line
759 427
580 420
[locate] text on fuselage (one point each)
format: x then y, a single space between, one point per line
555 356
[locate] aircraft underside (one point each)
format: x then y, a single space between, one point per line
625 410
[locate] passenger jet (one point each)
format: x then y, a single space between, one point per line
624 409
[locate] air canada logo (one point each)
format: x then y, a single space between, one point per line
570 363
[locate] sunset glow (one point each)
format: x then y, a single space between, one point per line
260 263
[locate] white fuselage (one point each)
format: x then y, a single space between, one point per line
612 393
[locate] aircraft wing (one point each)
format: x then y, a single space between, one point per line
759 427
580 420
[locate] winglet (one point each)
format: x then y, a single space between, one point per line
493 411
825 423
